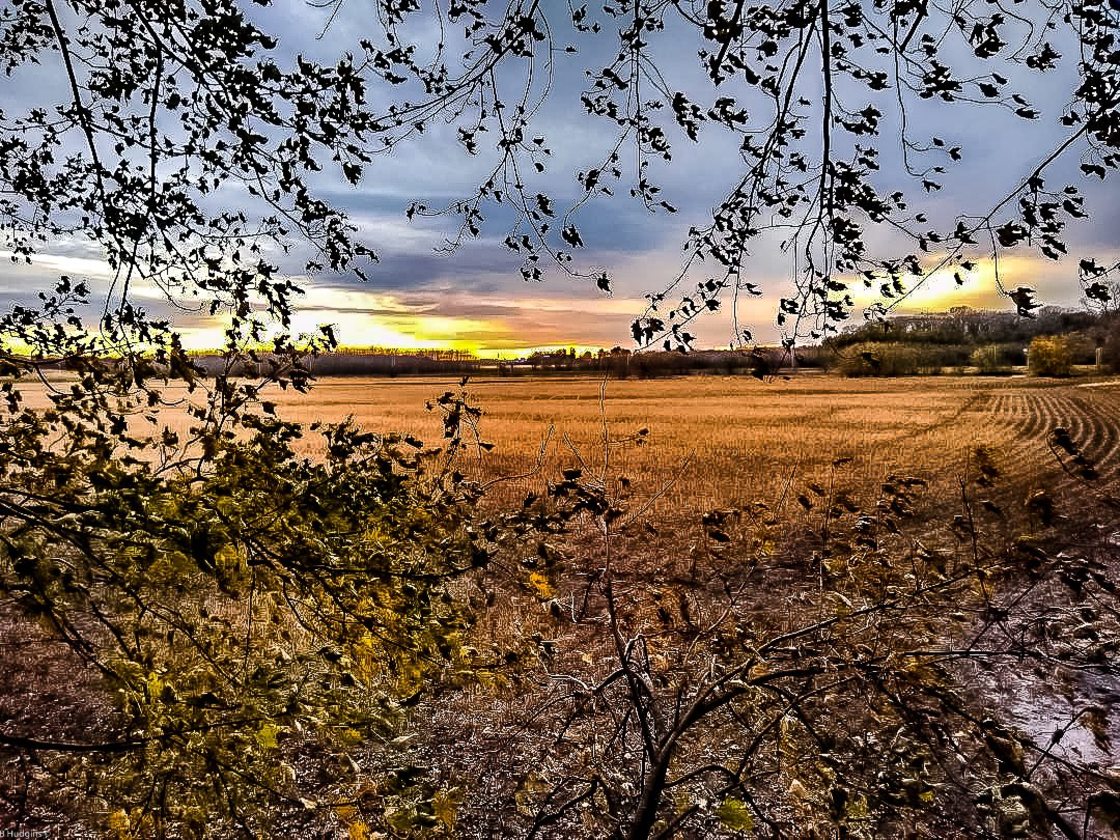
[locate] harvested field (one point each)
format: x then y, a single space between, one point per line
682 446
748 513
727 441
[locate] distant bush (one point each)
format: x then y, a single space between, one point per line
934 358
895 358
1082 348
1050 356
994 359
873 358
814 356
1110 352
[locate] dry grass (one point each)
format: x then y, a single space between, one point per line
713 442
726 441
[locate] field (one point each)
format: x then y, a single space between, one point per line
712 441
723 443
726 441
829 576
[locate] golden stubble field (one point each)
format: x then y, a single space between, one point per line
712 442
728 441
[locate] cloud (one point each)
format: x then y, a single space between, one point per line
418 296
487 322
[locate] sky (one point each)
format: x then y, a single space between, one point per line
475 298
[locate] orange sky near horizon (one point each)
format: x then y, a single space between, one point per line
555 314
514 327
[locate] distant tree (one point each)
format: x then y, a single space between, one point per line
1050 355
879 359
1110 349
994 358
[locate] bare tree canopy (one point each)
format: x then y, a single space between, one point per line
147 123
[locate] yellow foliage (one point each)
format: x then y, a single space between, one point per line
154 685
445 804
266 735
346 812
540 585
857 808
119 822
349 736
1050 356
735 815
410 678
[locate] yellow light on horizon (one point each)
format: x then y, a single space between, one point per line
940 291
358 329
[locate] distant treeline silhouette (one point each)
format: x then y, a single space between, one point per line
963 325
617 362
904 344
991 342
901 345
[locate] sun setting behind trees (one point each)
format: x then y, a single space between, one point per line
783 588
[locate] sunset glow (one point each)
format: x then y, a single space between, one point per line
497 324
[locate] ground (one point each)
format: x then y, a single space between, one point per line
722 441
676 451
